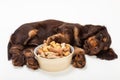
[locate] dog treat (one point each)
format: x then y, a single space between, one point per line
54 50
87 39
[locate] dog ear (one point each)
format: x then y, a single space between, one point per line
89 30
108 54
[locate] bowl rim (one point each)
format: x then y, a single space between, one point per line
37 56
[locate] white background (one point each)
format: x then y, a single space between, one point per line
14 13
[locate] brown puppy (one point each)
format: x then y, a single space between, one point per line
93 39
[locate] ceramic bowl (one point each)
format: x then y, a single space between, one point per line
57 64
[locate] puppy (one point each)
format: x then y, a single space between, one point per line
86 39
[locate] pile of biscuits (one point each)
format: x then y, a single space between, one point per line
54 50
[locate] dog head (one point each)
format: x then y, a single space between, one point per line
99 40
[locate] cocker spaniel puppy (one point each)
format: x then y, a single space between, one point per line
86 39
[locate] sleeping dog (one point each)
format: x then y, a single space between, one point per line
86 39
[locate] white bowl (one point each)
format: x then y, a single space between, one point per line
53 65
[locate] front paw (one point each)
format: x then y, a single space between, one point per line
78 59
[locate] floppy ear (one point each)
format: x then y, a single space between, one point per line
90 30
108 54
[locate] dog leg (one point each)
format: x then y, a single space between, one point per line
58 38
16 55
16 46
78 59
31 62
